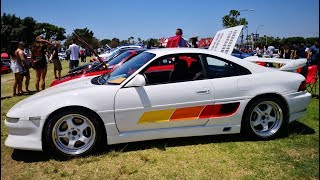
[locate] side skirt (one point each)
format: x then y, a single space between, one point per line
172 133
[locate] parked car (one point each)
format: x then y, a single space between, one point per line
6 60
5 63
115 51
239 54
97 68
62 55
216 94
4 68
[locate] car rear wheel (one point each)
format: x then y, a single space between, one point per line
265 118
73 133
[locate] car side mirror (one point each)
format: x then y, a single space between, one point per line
137 81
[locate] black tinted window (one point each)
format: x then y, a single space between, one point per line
219 68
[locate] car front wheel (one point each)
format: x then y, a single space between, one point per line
73 133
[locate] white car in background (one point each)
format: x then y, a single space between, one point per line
202 93
62 55
109 53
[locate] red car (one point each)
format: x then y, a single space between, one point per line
4 69
95 69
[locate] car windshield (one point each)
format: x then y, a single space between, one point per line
121 73
113 54
119 58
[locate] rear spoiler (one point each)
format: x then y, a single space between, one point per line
289 64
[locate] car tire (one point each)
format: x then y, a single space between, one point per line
72 133
265 118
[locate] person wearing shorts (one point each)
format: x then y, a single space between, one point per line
38 57
25 65
56 62
16 67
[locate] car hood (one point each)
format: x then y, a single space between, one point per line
74 93
70 86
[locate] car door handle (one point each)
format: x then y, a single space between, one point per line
204 92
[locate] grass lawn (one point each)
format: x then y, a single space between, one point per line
206 157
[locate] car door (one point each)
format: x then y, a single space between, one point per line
163 104
231 83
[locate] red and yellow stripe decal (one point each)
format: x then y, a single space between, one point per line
189 113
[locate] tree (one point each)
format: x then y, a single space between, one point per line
105 41
50 31
114 42
153 42
293 40
231 20
310 41
28 34
11 29
87 36
124 42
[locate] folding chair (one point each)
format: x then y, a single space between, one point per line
311 79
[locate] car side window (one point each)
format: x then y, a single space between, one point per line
219 68
174 68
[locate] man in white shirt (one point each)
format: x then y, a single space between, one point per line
74 54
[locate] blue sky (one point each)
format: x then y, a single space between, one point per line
156 19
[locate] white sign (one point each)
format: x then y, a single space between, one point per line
225 40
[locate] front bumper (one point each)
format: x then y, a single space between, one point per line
25 134
298 103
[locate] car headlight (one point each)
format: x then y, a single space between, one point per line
12 120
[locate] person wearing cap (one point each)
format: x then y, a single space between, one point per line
38 57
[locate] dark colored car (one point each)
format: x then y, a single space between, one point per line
97 68
240 54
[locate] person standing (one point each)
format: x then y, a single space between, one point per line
194 42
258 51
74 54
38 57
294 49
301 52
56 62
182 42
270 51
16 67
25 65
82 54
286 52
313 55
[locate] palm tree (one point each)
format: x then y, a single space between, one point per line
231 20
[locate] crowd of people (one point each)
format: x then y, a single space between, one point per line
310 52
41 53
41 49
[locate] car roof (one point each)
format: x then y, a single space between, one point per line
165 51
139 50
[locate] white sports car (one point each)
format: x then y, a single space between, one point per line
161 93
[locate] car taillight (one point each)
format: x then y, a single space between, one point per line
302 86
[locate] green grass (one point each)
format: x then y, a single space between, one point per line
206 157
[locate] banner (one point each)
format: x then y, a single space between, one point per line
225 40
